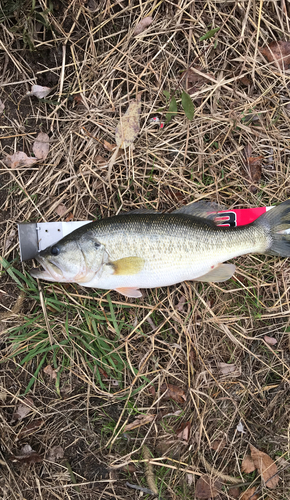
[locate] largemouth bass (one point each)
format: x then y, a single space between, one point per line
149 249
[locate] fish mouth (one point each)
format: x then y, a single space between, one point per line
48 271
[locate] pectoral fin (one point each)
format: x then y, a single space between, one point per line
128 265
221 273
129 292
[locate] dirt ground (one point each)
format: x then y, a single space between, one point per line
183 393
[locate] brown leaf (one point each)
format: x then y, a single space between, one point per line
183 431
249 494
229 369
173 392
248 465
19 159
22 410
61 209
278 52
39 91
140 420
142 25
41 146
69 217
100 160
51 372
193 81
2 107
78 98
181 303
129 468
129 125
270 340
234 492
245 81
253 166
207 487
109 146
266 467
27 455
31 428
218 444
55 453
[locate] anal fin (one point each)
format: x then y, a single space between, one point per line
129 292
221 273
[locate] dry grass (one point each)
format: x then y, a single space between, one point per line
177 335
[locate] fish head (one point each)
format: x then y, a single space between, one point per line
71 260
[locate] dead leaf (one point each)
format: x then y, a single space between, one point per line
9 239
278 52
183 431
218 444
234 492
240 427
229 369
265 466
61 209
207 487
41 146
39 91
142 25
181 303
55 453
173 392
3 395
248 465
51 372
129 125
69 217
249 494
129 468
22 410
270 340
31 428
189 479
253 167
2 107
27 455
140 420
19 159
101 161
245 81
78 98
193 81
109 146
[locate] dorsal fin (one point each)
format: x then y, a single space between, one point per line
204 209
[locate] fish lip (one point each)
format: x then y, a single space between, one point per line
50 270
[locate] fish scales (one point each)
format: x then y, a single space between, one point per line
174 247
133 251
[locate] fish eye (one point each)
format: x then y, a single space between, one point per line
97 245
54 250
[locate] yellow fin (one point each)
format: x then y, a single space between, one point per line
221 273
128 265
129 292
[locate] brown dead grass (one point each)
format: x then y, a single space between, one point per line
92 52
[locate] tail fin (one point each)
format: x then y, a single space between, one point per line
276 222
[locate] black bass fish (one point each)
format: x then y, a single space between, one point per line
149 249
